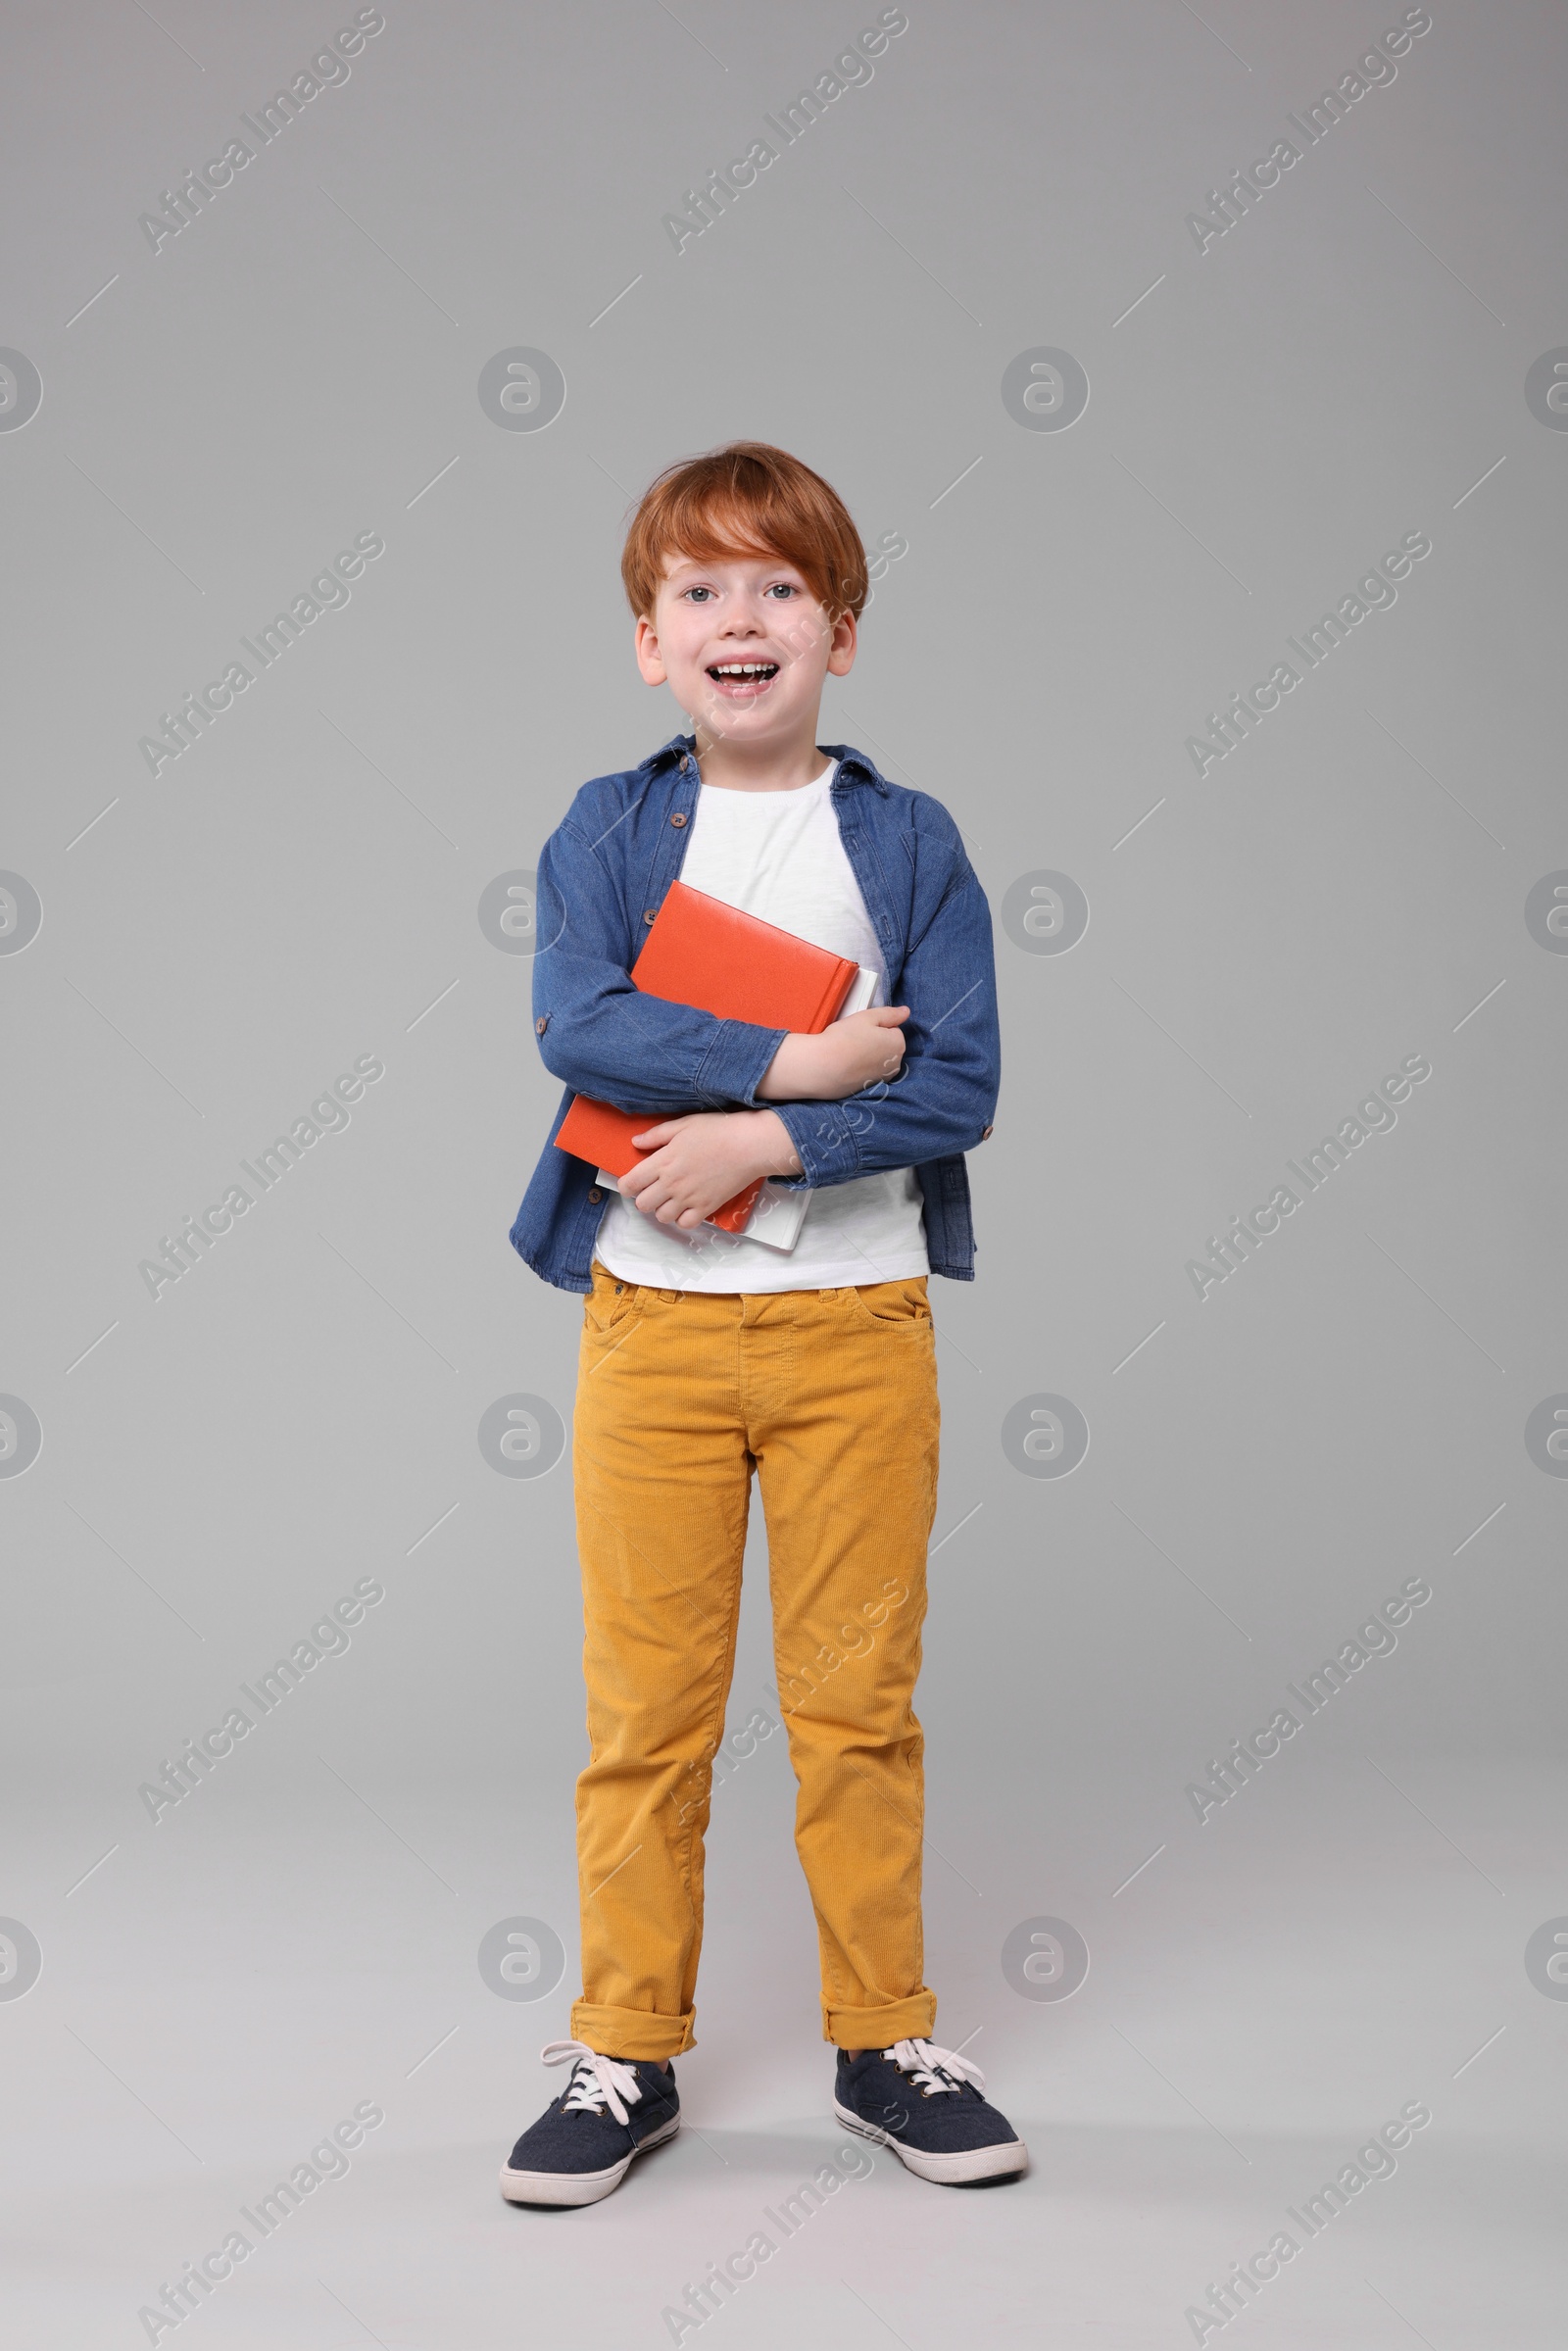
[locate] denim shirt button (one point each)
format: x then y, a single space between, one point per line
595 1196
648 916
984 1132
541 1024
677 821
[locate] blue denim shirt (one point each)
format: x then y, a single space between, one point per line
603 874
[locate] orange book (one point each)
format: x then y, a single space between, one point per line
703 952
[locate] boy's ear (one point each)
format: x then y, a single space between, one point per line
845 638
649 661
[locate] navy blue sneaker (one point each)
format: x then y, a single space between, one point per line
578 2151
926 2104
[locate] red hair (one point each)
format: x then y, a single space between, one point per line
745 499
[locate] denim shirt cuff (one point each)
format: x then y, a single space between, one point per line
824 1141
737 1062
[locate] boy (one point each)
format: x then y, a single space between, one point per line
705 1356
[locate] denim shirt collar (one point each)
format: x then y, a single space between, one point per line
853 766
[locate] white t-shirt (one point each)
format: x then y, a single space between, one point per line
778 856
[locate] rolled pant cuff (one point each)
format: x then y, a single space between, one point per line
632 2032
880 2028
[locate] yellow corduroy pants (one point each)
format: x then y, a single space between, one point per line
831 1397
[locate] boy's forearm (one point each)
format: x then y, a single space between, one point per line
796 1072
941 1106
873 1132
649 1055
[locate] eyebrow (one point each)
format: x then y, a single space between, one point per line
780 562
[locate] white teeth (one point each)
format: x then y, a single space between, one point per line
742 668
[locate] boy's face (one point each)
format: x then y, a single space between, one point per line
745 646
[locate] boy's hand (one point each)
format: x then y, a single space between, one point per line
697 1162
843 1057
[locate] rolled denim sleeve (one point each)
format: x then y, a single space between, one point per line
944 1099
599 1033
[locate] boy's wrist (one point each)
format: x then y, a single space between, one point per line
776 1151
791 1074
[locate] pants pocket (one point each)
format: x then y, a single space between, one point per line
884 1302
610 1305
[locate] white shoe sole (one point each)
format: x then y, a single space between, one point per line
578 2188
957 2169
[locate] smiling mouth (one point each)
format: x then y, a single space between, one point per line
743 678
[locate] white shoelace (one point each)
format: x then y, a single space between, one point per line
598 2081
929 2064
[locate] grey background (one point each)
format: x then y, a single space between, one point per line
302 886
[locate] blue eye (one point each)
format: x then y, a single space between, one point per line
693 592
782 587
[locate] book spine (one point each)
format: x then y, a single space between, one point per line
835 990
